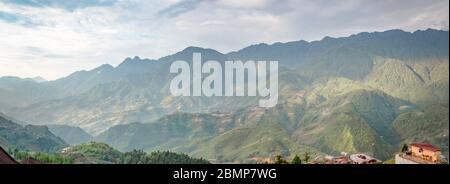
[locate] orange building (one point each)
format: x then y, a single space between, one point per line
426 152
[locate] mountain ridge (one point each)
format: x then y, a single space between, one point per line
360 90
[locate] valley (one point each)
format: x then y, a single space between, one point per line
366 93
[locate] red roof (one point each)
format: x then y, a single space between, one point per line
5 158
426 146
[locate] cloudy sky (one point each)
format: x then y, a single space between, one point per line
53 38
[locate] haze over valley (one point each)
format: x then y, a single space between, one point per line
366 93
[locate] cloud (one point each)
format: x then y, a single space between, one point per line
16 19
53 38
245 4
68 5
179 8
9 17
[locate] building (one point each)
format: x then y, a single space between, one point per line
346 159
420 153
5 158
426 152
341 160
363 159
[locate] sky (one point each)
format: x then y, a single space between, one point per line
54 38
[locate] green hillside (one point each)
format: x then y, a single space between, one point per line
429 124
100 153
252 145
28 137
179 126
71 135
93 152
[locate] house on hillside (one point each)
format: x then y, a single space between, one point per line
5 158
363 159
346 159
420 153
426 152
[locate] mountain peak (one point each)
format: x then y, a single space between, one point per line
104 67
430 31
16 79
327 38
10 78
193 49
135 58
130 61
186 54
39 79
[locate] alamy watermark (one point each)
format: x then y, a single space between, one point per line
234 75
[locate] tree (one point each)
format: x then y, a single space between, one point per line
280 160
405 148
159 157
306 158
296 160
134 157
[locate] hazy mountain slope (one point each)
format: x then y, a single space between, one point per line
346 133
138 89
38 79
29 91
98 109
17 92
137 99
359 93
251 144
29 137
351 56
13 119
429 124
261 134
170 128
244 136
357 121
422 82
71 135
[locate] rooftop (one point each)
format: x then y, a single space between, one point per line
426 146
5 158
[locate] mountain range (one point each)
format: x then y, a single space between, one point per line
369 92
